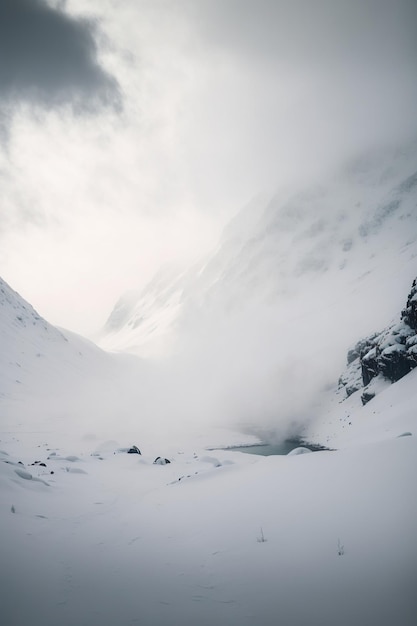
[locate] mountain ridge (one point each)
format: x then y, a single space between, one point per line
360 220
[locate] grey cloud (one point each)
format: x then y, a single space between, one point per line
50 58
323 31
308 84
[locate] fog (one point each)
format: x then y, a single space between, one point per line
133 133
136 131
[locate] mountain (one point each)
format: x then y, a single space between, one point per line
142 321
339 246
94 535
254 333
385 356
55 379
375 393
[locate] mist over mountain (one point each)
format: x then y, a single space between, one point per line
255 331
122 490
237 446
339 230
250 338
55 380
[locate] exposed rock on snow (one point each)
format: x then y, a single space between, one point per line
385 356
409 315
134 450
161 461
178 551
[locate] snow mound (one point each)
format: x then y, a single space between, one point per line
299 450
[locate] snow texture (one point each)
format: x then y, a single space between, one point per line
91 534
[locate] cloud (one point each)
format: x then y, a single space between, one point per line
221 100
297 84
323 32
49 58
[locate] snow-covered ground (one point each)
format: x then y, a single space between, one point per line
91 534
99 536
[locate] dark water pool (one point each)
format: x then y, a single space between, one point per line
269 449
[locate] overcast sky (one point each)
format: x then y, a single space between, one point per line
132 131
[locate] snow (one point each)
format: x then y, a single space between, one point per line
332 250
100 536
124 541
91 534
299 450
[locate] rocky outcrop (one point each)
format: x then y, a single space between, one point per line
161 461
388 355
134 450
409 314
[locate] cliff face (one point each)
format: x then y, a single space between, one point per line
409 314
388 355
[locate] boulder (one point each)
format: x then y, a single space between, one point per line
134 450
369 365
367 396
409 314
161 461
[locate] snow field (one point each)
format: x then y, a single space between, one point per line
127 542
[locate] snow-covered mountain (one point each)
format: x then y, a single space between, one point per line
91 534
56 379
261 327
31 347
347 245
357 404
142 321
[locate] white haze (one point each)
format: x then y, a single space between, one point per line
260 330
219 100
216 101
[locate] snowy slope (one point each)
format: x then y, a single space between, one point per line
98 536
93 535
56 380
342 246
141 322
145 322
23 336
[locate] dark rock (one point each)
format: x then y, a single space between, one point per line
369 364
391 353
411 347
367 396
161 461
409 314
134 450
394 364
